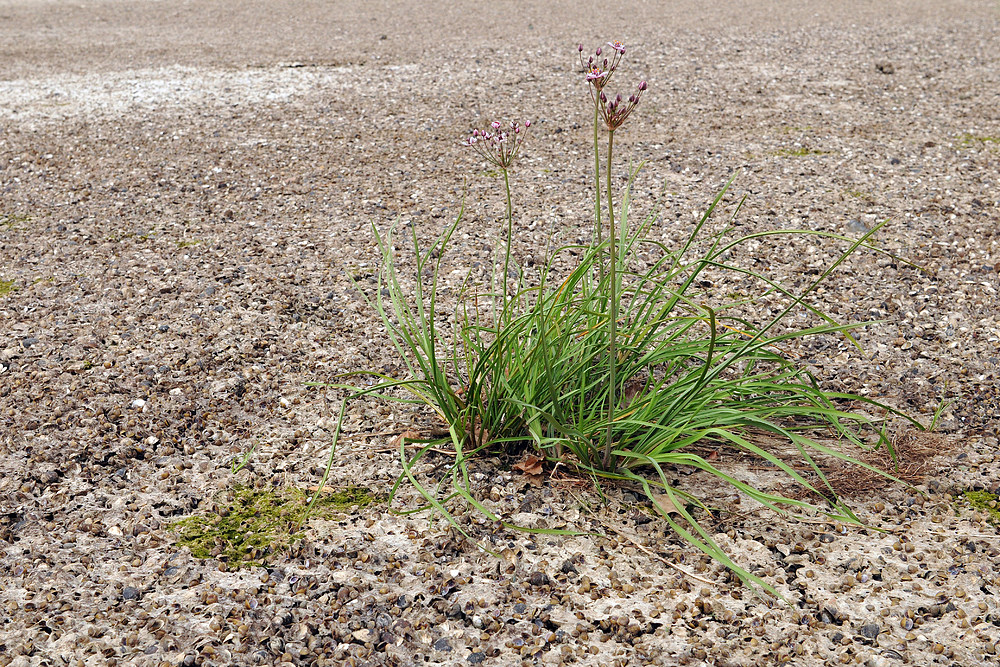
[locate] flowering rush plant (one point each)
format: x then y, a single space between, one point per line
499 146
625 367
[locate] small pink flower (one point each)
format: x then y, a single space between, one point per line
617 46
595 74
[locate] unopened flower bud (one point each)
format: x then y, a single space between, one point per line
580 47
527 123
495 125
642 85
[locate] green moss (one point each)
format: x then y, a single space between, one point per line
118 238
970 139
6 287
11 220
984 501
800 152
252 524
789 129
187 244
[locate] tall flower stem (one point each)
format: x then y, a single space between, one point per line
510 233
597 184
613 321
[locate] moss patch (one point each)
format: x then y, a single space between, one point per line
6 287
251 524
972 139
860 194
12 220
799 152
984 501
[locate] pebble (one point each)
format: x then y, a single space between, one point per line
871 630
538 579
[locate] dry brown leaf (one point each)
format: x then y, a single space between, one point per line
532 468
404 437
664 503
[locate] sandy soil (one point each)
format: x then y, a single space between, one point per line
185 189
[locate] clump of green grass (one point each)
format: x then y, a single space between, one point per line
6 287
622 373
253 524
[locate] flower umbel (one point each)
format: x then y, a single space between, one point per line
616 111
498 145
598 69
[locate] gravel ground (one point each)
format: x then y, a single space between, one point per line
186 189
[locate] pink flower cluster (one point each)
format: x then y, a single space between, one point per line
599 70
499 145
614 111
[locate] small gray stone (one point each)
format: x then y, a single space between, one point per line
476 658
130 593
442 645
538 579
870 630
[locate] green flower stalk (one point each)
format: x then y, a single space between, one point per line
614 113
499 147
